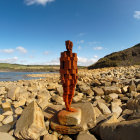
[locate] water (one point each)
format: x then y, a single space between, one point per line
14 76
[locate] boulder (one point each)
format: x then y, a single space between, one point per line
1 117
78 97
113 95
43 98
112 119
124 89
85 136
18 111
8 119
22 94
60 90
58 99
88 119
6 105
98 91
138 88
112 89
104 109
137 75
50 137
5 128
69 118
86 89
6 136
116 109
126 130
95 83
2 90
131 87
66 137
19 103
34 126
97 112
12 91
52 86
8 113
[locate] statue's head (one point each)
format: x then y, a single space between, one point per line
69 45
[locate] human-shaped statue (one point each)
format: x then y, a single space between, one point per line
68 74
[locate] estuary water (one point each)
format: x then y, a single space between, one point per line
14 76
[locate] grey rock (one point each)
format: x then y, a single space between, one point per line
85 136
112 89
6 136
86 89
12 91
8 119
50 137
98 91
138 88
88 119
104 109
5 128
78 97
34 126
116 109
128 130
58 99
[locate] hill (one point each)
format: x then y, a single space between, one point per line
127 57
30 68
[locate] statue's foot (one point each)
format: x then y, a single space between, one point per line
72 110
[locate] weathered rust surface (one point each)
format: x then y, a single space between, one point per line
68 74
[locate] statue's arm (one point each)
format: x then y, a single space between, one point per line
62 64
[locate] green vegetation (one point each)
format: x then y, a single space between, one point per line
18 67
30 68
127 57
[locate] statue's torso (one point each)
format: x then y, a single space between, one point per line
68 66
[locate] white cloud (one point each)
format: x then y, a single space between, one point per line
83 61
46 52
21 49
92 43
9 60
54 61
98 48
42 2
136 14
80 41
7 50
95 56
81 34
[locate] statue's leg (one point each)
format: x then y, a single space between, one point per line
65 96
72 89
70 96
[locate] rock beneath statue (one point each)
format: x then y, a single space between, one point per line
88 118
69 118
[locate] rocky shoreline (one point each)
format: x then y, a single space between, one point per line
113 93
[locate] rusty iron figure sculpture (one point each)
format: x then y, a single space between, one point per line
68 74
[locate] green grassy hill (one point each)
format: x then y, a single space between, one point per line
127 57
18 67
30 68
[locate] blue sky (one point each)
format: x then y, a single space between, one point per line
34 31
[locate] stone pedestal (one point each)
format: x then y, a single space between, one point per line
88 118
69 118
